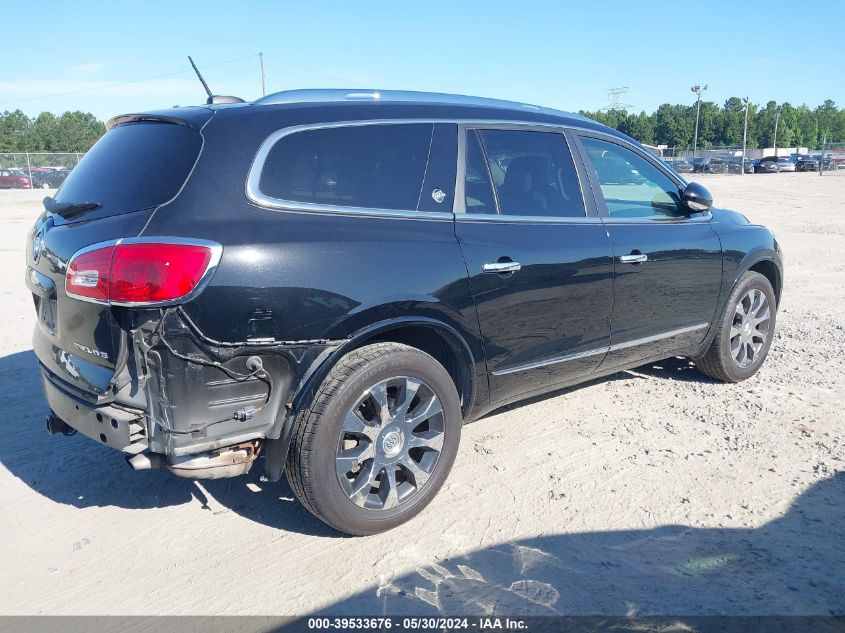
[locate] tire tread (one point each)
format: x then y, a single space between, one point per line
715 361
306 424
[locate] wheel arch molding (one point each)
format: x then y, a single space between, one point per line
438 339
766 262
424 333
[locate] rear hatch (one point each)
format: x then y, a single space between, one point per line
138 165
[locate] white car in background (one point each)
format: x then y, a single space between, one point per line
784 164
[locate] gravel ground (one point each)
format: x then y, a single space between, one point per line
655 491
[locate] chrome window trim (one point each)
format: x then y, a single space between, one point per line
216 254
524 219
600 350
254 194
253 182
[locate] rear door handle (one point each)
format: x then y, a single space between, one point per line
633 258
502 267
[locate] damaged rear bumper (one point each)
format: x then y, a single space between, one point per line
181 405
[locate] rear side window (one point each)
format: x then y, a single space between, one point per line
533 173
134 166
366 166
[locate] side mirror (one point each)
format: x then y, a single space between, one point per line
696 198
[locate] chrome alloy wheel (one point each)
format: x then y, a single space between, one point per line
390 442
750 327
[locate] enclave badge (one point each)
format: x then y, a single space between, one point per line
438 195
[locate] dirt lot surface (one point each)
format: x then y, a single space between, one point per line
653 491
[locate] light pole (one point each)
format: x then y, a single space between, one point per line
777 117
261 61
746 101
697 90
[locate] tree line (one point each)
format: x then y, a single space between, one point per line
674 125
68 132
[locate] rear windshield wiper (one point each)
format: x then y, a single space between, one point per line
69 209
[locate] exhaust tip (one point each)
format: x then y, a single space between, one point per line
145 461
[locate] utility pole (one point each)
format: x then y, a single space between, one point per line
821 158
777 117
261 61
697 90
746 101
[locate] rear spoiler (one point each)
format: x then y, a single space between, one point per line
193 117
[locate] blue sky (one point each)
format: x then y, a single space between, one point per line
555 54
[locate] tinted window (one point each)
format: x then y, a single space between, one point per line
631 185
134 166
533 173
478 191
438 192
369 166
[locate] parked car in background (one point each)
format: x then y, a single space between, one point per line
336 281
829 163
805 162
701 165
767 165
784 164
39 175
54 179
681 166
14 179
735 165
718 166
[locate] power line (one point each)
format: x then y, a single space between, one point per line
129 81
315 71
285 62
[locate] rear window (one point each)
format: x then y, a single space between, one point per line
134 166
366 166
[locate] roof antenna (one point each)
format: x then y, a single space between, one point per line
202 81
212 98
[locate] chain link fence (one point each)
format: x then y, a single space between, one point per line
36 170
831 157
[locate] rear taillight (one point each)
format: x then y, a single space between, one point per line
142 271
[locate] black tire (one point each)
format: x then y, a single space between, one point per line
311 464
718 361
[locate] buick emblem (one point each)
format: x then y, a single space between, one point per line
37 245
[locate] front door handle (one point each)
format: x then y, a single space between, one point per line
500 268
633 258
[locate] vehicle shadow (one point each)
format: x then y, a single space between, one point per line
793 565
675 368
82 473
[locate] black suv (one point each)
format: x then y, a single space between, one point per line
336 281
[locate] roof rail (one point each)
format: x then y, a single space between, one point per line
332 95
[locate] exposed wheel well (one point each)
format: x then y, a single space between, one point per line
442 347
770 271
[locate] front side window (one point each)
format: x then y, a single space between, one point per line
631 185
533 173
366 166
